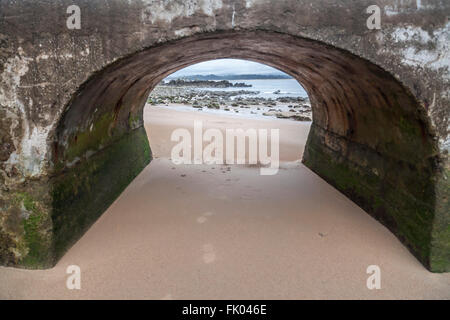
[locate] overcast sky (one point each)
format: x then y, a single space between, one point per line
226 66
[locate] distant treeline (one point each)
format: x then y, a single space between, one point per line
236 77
205 84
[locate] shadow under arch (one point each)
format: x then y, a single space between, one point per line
370 138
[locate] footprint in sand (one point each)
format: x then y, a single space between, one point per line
203 217
209 256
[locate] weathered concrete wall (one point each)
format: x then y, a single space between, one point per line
69 99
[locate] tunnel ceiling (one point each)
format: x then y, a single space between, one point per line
350 97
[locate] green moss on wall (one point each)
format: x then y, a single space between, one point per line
134 120
440 255
82 193
91 138
35 247
411 216
7 245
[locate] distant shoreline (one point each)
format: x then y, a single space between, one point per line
205 84
214 77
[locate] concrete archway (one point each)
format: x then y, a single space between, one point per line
369 137
71 102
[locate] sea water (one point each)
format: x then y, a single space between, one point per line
270 88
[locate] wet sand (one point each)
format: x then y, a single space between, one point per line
226 232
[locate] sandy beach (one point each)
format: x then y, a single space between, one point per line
226 232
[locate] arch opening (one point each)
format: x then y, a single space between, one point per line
231 106
369 137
